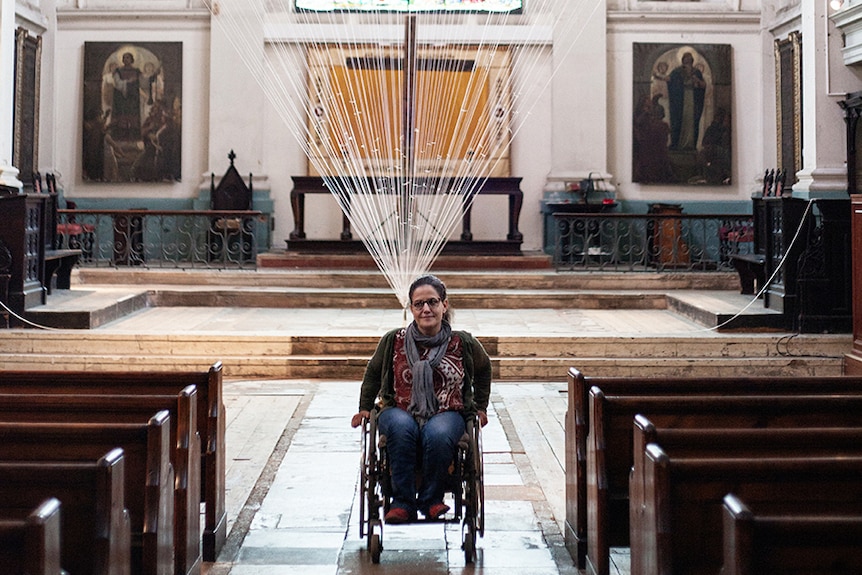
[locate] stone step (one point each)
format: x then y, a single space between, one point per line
162 296
750 342
514 358
278 259
352 368
91 306
84 343
501 280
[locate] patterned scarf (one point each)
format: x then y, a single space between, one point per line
423 400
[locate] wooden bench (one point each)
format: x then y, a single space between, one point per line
211 424
95 530
31 546
791 543
684 497
728 443
60 262
610 447
149 476
752 272
185 445
578 419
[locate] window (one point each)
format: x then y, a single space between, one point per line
411 5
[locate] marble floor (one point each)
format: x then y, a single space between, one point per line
293 483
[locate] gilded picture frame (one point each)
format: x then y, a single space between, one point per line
788 104
25 141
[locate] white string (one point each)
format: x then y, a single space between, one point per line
336 80
24 320
766 284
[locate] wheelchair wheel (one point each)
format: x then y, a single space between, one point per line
474 488
469 546
375 547
479 479
369 495
474 494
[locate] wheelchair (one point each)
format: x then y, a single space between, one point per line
467 487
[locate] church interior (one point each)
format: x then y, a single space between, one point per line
647 211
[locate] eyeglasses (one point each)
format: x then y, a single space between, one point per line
419 305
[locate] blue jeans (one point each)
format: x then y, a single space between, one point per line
432 447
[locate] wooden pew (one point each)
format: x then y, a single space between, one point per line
610 447
185 445
795 543
577 425
683 501
210 421
149 476
94 527
31 546
726 443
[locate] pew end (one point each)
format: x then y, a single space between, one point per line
31 545
794 542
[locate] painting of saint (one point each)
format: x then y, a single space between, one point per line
132 112
682 117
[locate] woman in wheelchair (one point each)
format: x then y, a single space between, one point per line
426 380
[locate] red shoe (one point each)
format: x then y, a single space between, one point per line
437 511
397 516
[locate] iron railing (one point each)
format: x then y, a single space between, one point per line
232 239
650 242
165 239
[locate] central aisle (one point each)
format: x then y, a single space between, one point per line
292 479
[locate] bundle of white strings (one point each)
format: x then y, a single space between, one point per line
403 150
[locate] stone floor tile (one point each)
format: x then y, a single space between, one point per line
270 555
283 570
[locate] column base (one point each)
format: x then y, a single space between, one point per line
9 177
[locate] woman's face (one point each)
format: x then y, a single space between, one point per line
429 318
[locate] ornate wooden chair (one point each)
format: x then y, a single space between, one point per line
231 238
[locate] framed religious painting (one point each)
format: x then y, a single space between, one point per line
132 111
682 117
25 140
788 103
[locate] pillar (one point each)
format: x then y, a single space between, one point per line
8 173
825 82
236 98
579 91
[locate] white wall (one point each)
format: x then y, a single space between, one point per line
739 29
580 121
74 28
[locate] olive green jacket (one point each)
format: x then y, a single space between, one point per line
379 381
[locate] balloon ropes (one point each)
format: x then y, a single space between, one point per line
403 107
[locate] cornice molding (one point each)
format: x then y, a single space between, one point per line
654 21
31 19
71 19
849 21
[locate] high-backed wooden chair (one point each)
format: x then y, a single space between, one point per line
231 238
68 232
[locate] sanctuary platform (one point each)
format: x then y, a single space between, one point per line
289 323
